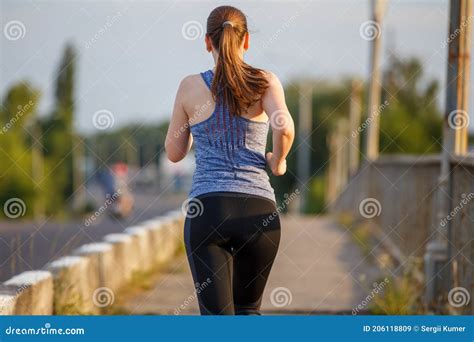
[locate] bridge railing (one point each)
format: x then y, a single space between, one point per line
398 194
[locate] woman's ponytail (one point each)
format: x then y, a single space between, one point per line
235 82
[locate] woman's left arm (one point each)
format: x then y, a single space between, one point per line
178 139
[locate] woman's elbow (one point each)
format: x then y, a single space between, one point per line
174 158
173 155
288 130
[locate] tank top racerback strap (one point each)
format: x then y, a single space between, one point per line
207 77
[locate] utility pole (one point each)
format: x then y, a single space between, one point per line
461 133
375 90
354 122
37 169
456 102
338 170
342 155
305 123
331 141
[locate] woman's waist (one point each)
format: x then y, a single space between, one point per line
228 170
245 174
206 186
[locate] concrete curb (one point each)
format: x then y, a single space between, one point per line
159 241
141 239
102 260
8 295
33 291
86 281
72 293
125 256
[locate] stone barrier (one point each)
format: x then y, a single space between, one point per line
72 290
86 281
33 292
126 257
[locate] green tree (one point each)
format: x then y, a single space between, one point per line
411 123
17 115
58 132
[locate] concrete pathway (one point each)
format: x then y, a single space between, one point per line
319 270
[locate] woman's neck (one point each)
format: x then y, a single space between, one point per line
215 56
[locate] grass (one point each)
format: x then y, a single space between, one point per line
402 295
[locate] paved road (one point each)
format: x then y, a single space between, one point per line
319 269
28 245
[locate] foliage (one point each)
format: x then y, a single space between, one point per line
37 154
317 193
17 116
411 123
58 135
400 297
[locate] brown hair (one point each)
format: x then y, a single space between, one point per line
239 84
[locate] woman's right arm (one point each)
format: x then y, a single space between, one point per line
283 128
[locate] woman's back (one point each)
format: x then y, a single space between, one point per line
229 148
224 111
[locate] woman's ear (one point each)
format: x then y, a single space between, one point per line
246 41
208 43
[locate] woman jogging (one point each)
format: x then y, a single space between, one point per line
232 230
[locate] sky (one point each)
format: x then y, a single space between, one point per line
133 54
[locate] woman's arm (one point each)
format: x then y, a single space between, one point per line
283 128
178 139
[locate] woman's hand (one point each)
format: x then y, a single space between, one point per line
278 168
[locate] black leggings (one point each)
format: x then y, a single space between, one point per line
231 242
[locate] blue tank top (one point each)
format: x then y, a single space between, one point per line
230 153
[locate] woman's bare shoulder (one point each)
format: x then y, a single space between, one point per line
190 81
274 83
